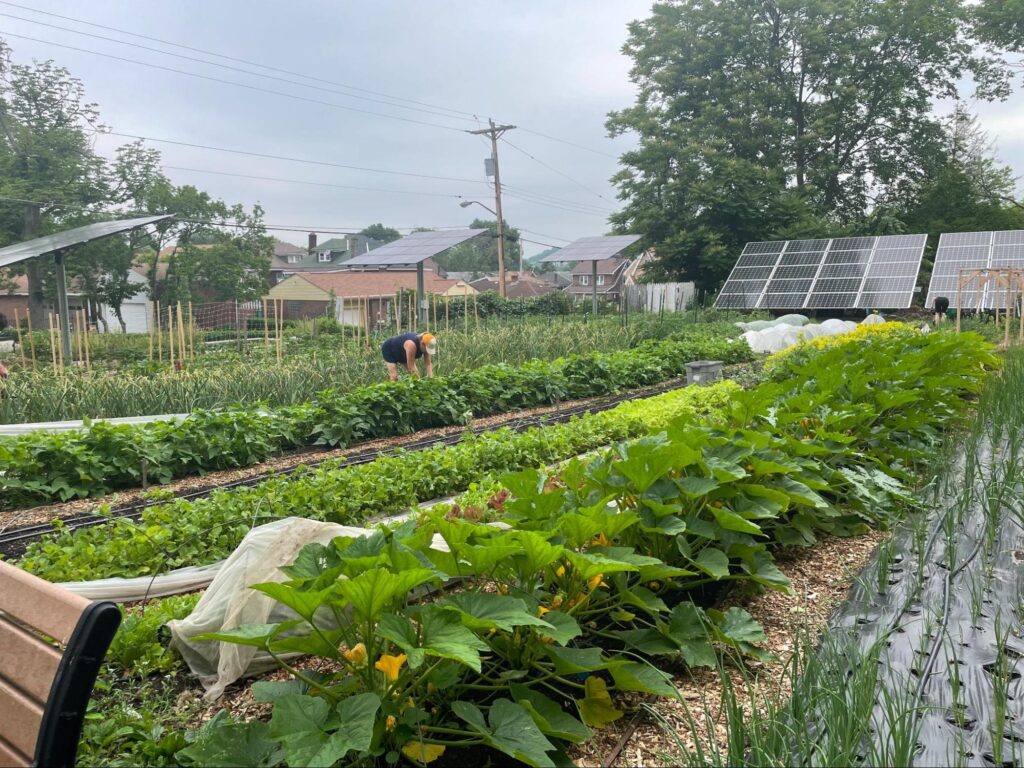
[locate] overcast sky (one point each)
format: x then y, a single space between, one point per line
547 66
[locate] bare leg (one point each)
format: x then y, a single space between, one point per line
392 371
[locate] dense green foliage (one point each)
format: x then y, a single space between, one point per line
316 358
45 466
593 579
763 120
183 533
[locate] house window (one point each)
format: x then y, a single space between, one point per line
584 279
293 259
324 257
600 279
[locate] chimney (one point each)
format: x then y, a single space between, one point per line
353 245
312 242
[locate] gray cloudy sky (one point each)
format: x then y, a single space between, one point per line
548 66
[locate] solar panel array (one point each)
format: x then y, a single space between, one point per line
414 248
58 241
974 250
593 248
838 273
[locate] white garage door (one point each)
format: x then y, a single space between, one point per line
135 318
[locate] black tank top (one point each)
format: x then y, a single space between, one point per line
394 348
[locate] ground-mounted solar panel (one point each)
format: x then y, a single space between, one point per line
959 251
414 248
593 248
836 273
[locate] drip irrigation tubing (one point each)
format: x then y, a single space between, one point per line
15 539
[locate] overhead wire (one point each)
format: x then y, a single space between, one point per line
235 83
455 112
470 115
551 168
236 69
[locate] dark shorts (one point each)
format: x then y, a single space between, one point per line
941 304
389 357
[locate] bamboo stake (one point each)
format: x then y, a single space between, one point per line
88 352
266 328
959 302
366 320
53 346
446 315
475 313
75 335
159 335
149 327
279 322
433 309
17 328
413 315
398 312
465 313
170 335
191 335
181 335
31 340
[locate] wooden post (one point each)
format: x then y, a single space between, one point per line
31 339
76 340
413 314
85 338
465 313
53 344
366 320
191 335
181 334
17 328
433 308
446 314
149 327
170 335
266 328
476 314
959 297
279 322
159 335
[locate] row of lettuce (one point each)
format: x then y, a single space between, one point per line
42 467
601 578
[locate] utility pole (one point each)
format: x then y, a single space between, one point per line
496 132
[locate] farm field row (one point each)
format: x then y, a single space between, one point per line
41 467
123 383
611 578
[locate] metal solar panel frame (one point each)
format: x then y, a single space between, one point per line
594 248
951 253
801 267
69 238
414 248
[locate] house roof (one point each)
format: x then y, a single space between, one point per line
311 261
604 267
517 286
351 283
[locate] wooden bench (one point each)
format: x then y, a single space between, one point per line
52 643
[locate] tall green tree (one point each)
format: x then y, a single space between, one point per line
381 233
480 255
755 117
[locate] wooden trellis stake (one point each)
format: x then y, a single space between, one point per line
53 345
17 328
170 335
149 327
465 313
159 334
191 335
446 314
31 340
181 335
266 328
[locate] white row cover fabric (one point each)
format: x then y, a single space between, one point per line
775 336
13 430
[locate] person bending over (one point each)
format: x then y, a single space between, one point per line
406 349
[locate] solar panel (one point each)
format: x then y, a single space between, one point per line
974 250
414 248
58 241
837 273
593 248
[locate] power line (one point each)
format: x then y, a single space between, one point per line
470 115
555 170
544 197
455 112
235 69
268 156
564 141
520 196
313 183
235 83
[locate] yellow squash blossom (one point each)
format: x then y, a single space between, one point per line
391 721
391 666
600 541
595 581
422 753
356 654
541 610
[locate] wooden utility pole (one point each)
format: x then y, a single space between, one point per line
496 132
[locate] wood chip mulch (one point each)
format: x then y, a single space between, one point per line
821 577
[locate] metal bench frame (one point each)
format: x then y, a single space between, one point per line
63 711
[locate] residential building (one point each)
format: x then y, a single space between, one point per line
610 279
356 294
518 285
136 309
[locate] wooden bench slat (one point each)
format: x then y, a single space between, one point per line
41 605
11 758
29 662
21 719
